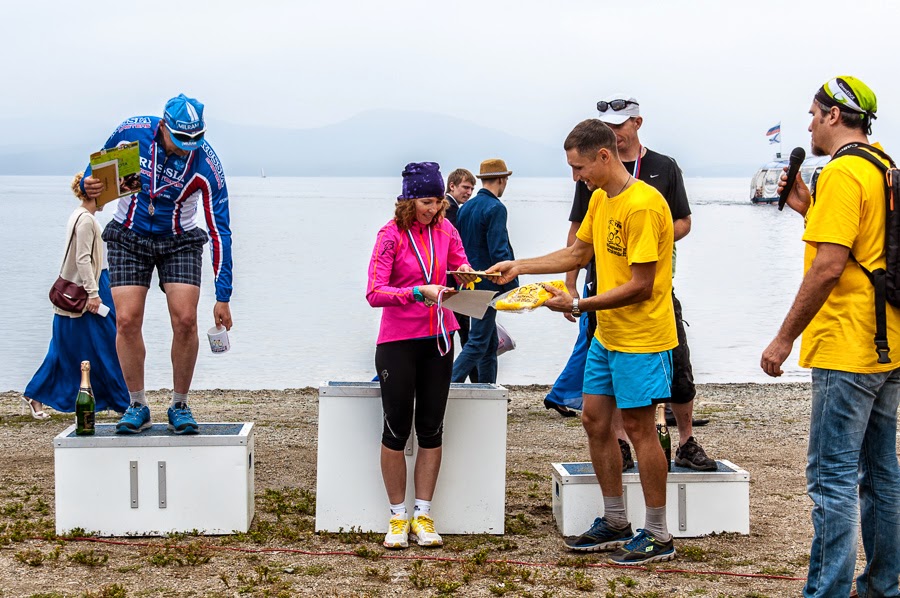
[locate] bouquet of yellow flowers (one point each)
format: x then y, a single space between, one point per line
526 298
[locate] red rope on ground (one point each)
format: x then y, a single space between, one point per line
400 557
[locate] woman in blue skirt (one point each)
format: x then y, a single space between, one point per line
82 336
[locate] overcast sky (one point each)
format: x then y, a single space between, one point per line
711 76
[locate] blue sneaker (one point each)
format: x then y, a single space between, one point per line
601 536
181 421
643 549
136 419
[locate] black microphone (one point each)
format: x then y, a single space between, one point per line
797 157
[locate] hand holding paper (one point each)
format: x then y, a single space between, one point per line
470 303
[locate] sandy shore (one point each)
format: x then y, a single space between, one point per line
762 428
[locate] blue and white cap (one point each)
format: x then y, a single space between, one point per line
184 119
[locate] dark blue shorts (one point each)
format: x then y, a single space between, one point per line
132 257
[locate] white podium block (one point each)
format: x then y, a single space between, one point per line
697 503
156 482
470 496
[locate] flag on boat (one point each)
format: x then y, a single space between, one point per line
776 138
774 134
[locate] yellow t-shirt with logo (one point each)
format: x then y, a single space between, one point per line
633 227
849 210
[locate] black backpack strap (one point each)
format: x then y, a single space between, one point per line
881 342
879 276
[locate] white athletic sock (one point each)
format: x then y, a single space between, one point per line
178 397
423 507
398 509
655 523
139 397
614 511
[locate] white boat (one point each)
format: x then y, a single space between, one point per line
764 185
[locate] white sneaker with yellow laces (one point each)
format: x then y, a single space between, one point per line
422 531
398 532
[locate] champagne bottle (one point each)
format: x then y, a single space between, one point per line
84 404
662 430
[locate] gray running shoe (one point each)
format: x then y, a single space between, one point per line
691 454
600 537
643 549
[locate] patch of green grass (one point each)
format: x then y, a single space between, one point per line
423 578
382 574
89 558
355 536
501 588
315 570
171 554
693 553
536 490
76 532
110 591
368 553
30 557
288 501
776 571
13 509
519 524
263 582
582 581
577 562
800 561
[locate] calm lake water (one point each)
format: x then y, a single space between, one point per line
301 249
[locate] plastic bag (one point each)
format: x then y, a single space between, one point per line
526 298
507 342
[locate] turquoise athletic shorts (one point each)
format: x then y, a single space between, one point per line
634 379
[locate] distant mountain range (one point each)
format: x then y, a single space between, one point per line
373 143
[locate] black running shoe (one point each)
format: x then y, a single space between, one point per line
561 409
642 549
691 454
600 537
627 460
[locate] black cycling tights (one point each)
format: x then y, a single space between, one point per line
413 377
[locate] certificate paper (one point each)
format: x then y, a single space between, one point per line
470 303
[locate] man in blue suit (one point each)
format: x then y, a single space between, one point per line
481 222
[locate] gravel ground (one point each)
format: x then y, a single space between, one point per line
762 428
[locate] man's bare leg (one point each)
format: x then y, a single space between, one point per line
684 417
182 300
596 417
129 302
640 424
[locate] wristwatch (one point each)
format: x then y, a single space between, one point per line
417 295
575 311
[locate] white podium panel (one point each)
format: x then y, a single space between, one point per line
470 496
697 502
155 483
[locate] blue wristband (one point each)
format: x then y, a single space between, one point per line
417 295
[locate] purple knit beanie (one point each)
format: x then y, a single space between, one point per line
422 179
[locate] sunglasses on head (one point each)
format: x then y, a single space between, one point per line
616 105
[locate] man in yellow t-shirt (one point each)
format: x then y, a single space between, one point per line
628 229
853 429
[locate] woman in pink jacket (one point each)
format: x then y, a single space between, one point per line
414 356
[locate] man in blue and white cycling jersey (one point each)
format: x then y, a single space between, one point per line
156 228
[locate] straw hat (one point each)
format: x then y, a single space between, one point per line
493 168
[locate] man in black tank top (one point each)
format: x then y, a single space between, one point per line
621 113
